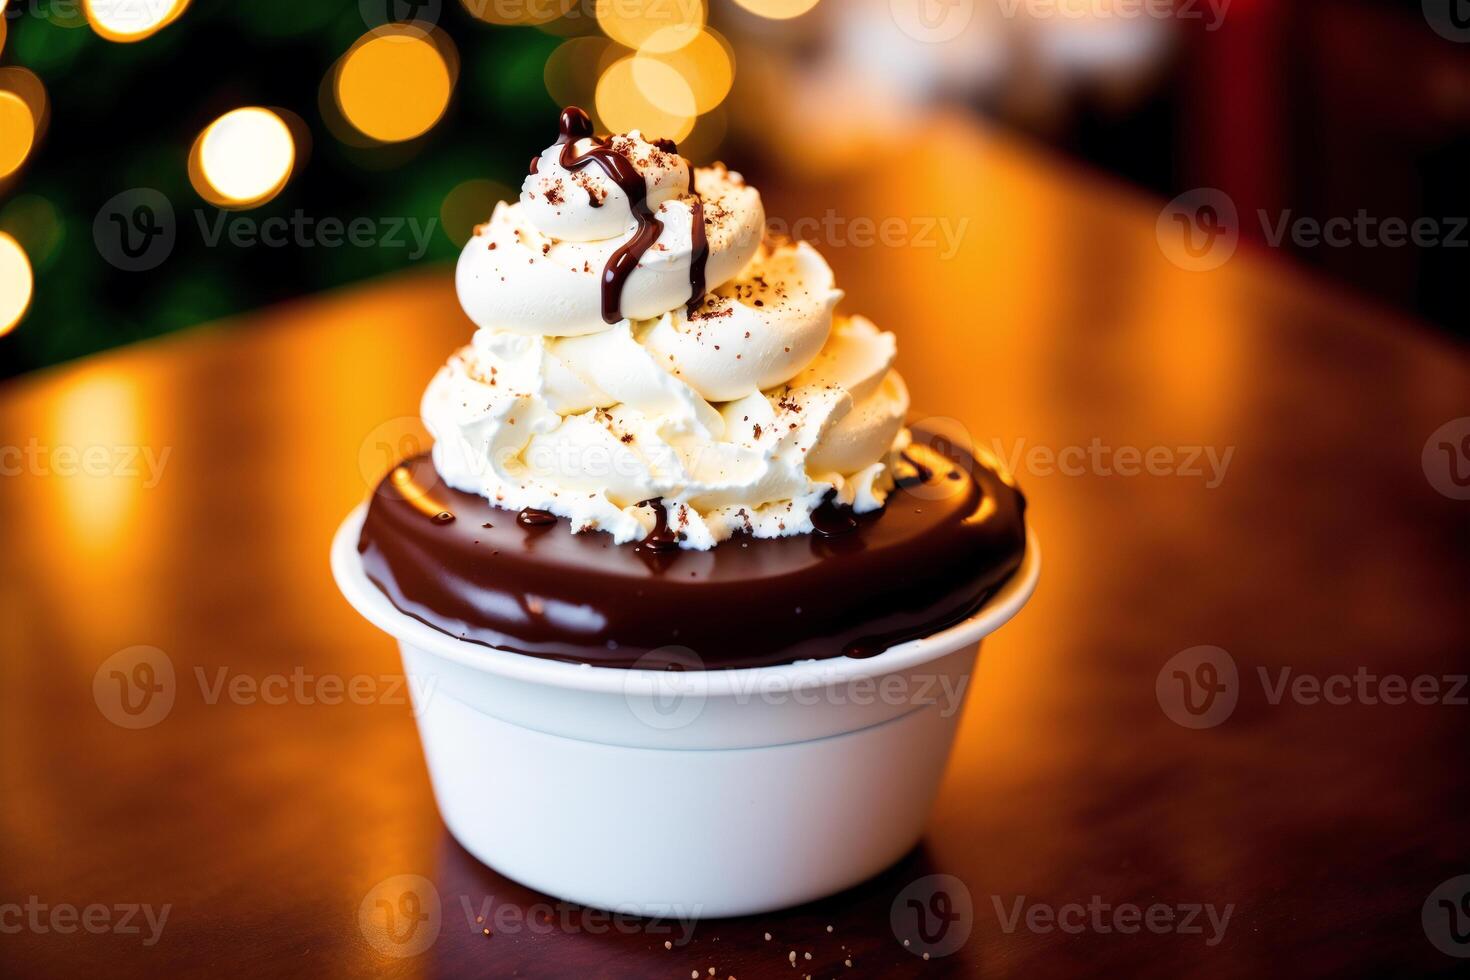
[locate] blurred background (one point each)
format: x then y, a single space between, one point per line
165 163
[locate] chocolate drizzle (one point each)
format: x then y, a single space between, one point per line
831 518
533 518
699 251
921 473
900 573
662 540
575 125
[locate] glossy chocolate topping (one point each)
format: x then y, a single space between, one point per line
950 535
575 125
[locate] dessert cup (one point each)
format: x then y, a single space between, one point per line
701 793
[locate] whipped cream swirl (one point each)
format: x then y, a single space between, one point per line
639 342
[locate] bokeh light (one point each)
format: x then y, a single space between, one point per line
517 12
661 86
24 111
17 133
17 282
652 25
126 21
778 9
395 83
705 64
622 106
243 159
572 70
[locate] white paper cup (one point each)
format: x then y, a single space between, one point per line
694 793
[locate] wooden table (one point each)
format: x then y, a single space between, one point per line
273 797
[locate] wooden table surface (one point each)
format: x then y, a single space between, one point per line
181 495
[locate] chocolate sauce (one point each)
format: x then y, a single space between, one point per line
535 165
927 561
533 518
575 125
443 517
662 539
699 255
831 518
920 474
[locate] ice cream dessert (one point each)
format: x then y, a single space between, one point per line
664 445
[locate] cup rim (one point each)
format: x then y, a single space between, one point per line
370 602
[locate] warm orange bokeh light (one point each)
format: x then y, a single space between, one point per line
17 132
24 111
572 70
778 9
243 159
623 107
395 83
651 25
17 283
126 21
705 64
